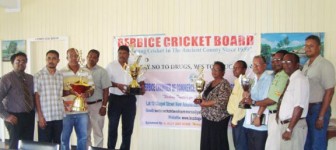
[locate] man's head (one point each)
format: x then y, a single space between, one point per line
123 54
276 60
72 56
52 59
93 57
291 63
19 61
239 68
259 64
312 46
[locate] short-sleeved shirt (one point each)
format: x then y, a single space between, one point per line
235 98
12 97
118 74
70 77
259 92
50 88
296 94
321 75
101 81
220 94
277 87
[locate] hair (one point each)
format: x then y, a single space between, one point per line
315 38
282 51
124 47
221 65
94 51
53 52
16 55
70 49
296 57
243 63
260 56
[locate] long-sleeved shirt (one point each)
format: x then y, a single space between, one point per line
12 96
235 98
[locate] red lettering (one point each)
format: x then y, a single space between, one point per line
120 42
217 41
233 41
250 40
226 40
201 41
207 40
158 42
186 41
151 42
166 41
174 41
194 41
132 41
241 40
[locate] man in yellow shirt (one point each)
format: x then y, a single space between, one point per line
238 114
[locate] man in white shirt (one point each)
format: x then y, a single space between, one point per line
293 105
121 103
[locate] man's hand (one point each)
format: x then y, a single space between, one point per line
233 125
122 87
319 124
286 135
256 121
102 111
11 119
42 122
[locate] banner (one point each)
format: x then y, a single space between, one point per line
172 63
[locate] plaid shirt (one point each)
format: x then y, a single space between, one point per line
50 89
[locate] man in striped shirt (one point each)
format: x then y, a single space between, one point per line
48 88
74 73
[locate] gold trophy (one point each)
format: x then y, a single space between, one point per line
135 70
78 103
199 84
246 85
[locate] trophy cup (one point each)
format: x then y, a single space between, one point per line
135 70
78 103
199 84
246 85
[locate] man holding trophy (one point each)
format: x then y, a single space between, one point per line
122 100
257 133
77 86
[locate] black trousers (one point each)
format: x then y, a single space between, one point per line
124 106
214 134
23 130
51 133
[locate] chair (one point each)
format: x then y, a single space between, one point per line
97 148
31 145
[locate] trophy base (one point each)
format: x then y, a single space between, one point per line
76 109
244 106
134 91
198 101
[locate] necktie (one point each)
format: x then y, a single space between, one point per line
280 100
27 97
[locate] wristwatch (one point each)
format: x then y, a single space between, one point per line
288 130
253 103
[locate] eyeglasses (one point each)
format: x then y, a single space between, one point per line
276 59
286 62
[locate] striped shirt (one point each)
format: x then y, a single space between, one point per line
50 89
70 77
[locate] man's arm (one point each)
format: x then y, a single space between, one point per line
41 120
102 110
295 118
325 105
142 86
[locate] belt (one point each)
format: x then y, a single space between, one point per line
313 104
94 102
288 120
272 111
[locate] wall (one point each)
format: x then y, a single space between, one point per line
93 24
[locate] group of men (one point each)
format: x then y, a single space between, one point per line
290 109
50 90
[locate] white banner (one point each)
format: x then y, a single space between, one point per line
172 63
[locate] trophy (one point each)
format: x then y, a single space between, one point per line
135 70
199 84
246 85
77 103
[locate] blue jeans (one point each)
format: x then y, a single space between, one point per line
317 138
239 136
80 122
